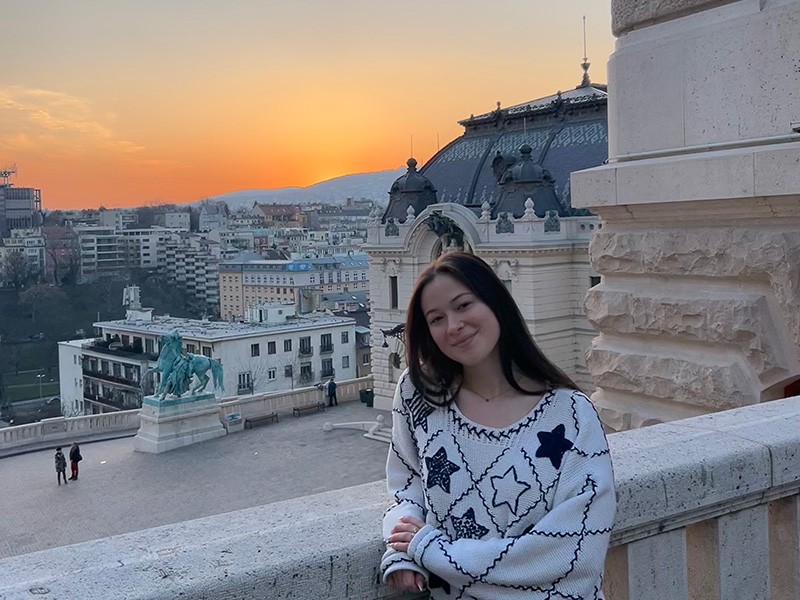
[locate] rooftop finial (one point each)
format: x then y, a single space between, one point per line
585 82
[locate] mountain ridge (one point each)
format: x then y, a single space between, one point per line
374 186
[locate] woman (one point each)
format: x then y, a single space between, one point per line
74 458
498 467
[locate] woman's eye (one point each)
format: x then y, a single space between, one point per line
435 320
463 305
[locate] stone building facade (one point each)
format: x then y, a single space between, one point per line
699 305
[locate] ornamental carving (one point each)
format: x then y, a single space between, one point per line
447 228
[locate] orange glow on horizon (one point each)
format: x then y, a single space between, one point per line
264 96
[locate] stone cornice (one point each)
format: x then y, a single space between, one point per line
635 14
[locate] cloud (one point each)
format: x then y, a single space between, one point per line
55 123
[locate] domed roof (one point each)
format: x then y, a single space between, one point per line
412 180
411 189
564 132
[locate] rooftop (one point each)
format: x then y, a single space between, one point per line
219 330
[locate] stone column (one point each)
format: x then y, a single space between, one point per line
699 305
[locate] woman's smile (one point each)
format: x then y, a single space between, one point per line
463 326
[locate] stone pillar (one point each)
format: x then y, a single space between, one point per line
699 305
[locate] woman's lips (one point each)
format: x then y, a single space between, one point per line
462 341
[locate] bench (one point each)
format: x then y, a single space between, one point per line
306 407
250 421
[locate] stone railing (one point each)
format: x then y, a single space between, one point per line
68 429
286 400
63 429
707 509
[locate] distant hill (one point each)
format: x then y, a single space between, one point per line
374 186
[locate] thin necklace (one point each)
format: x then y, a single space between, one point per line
490 398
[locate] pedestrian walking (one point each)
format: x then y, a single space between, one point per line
61 466
74 458
331 388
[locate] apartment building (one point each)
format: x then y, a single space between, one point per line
278 350
250 279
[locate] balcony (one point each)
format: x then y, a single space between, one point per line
129 383
326 349
306 376
305 351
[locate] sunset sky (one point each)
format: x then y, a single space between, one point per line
125 103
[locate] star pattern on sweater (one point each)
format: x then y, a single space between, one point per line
553 445
420 411
440 469
508 489
467 527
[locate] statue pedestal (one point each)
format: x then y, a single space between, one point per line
176 422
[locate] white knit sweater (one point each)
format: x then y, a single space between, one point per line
524 511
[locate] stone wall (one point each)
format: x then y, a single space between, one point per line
699 306
708 508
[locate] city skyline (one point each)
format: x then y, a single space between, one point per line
132 104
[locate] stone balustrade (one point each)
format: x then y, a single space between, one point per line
708 508
69 429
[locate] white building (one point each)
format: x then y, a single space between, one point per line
192 262
118 218
101 250
282 351
177 220
250 279
31 243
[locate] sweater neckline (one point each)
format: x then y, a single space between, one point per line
533 415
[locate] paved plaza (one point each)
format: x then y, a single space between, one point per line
120 490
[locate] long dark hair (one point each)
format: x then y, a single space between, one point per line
435 374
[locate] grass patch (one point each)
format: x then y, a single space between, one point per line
29 392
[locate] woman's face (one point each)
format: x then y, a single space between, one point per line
462 325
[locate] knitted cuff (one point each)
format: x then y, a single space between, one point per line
421 541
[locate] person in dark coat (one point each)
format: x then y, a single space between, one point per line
332 401
61 466
74 458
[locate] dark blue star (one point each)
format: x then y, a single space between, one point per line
440 469
553 445
420 410
466 527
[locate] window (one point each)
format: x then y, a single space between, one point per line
306 374
345 337
507 284
116 369
287 345
305 346
326 342
365 359
207 351
327 367
393 292
190 348
345 362
287 371
245 381
148 346
271 348
593 281
271 375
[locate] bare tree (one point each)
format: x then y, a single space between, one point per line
17 270
40 297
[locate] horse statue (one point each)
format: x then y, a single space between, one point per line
177 369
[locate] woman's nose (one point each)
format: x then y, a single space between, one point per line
454 324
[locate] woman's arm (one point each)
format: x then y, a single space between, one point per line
402 479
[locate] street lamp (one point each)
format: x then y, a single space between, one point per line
39 377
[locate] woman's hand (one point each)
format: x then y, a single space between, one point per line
404 532
406 580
